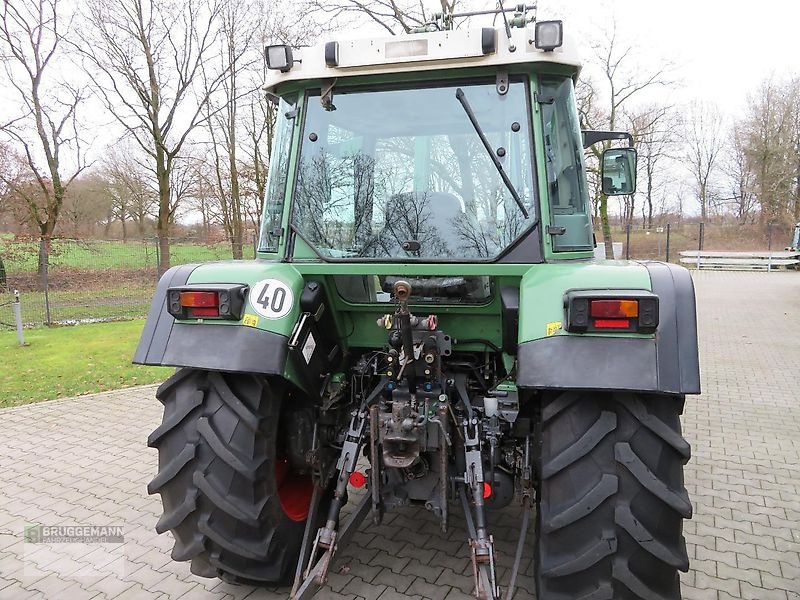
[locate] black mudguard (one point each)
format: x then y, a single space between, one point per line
208 346
667 363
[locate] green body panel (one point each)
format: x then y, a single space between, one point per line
542 290
250 272
542 286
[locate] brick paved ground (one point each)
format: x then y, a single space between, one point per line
84 461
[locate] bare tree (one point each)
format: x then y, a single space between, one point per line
148 56
239 45
132 195
623 81
653 129
771 132
740 179
705 141
86 207
395 17
31 37
259 127
278 24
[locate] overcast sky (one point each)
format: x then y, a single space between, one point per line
722 49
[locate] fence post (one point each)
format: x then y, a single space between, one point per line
769 246
668 227
15 306
44 261
628 242
702 235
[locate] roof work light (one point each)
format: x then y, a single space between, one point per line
549 35
279 57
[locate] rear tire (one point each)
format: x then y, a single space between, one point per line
611 499
234 504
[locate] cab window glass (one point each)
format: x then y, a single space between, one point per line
566 180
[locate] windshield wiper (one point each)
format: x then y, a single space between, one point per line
462 98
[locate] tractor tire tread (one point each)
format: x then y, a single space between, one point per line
217 478
606 487
604 425
611 499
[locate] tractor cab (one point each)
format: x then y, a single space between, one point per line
443 147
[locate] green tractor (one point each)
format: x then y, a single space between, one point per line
425 321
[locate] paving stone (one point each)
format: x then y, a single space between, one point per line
427 572
390 561
391 594
357 568
400 582
17 592
358 587
428 590
85 460
692 593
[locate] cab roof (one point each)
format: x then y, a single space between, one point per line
454 49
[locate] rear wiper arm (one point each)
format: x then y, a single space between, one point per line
462 98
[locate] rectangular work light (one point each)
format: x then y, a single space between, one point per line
548 35
279 57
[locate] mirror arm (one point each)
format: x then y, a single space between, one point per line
591 137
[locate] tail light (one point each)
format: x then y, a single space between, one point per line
207 301
628 311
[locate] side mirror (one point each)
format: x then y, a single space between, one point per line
618 171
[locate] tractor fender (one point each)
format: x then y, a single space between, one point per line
666 362
260 347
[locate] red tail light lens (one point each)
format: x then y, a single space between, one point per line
199 299
614 309
204 312
612 323
207 301
611 310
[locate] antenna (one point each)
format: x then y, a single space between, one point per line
511 46
444 21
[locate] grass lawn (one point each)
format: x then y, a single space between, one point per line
21 257
68 361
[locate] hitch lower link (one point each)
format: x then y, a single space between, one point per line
310 575
481 544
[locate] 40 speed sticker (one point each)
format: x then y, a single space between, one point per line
271 298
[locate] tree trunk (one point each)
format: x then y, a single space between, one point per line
164 218
235 208
44 255
609 242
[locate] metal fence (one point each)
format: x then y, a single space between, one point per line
91 280
102 280
666 241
